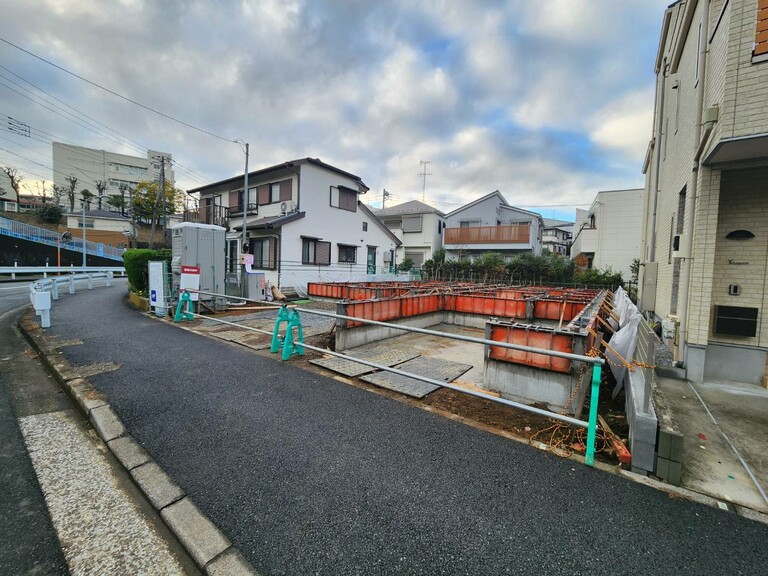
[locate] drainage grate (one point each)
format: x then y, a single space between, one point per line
434 368
351 368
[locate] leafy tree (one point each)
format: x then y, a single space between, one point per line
145 195
405 265
117 201
86 197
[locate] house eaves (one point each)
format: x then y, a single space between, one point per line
272 221
412 207
494 193
282 169
677 49
379 223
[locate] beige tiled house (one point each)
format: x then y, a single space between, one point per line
705 240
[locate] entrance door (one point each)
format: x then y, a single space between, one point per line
371 259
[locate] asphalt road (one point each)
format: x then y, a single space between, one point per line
308 475
28 543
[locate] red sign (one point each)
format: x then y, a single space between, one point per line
190 269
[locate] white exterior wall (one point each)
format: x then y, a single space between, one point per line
484 211
425 242
331 225
89 165
106 224
619 224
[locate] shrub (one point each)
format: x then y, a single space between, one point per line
135 261
50 213
405 265
597 277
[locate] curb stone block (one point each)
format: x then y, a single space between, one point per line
230 563
106 422
88 404
199 535
157 485
129 452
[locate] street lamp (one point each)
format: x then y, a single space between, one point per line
84 261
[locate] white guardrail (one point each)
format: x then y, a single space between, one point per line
41 291
45 270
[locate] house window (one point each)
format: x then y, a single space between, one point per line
264 252
313 251
469 223
412 223
347 254
344 198
232 256
761 32
274 193
365 226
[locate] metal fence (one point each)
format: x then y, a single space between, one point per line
51 238
41 291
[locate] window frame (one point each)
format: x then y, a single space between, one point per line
308 242
352 247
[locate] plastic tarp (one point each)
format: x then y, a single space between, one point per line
624 342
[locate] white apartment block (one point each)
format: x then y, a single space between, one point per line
608 234
705 240
117 171
418 226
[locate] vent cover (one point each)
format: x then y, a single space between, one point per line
736 321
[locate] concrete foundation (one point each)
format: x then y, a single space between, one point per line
725 362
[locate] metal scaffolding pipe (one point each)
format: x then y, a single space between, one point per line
444 384
520 347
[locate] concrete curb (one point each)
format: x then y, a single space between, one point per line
210 549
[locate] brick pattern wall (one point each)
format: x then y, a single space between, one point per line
743 205
745 100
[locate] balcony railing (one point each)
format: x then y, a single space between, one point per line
253 209
218 215
507 234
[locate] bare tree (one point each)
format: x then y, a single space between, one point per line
42 190
58 193
101 186
14 177
70 191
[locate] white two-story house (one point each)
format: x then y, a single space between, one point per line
490 224
304 223
418 226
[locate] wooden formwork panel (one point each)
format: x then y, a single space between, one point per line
546 339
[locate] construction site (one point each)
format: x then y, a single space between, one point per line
518 360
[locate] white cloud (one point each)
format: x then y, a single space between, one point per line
625 124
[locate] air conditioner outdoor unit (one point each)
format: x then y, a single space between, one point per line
287 206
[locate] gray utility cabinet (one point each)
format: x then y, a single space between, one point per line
199 245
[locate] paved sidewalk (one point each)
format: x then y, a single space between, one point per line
308 475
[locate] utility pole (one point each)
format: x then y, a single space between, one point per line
84 258
384 196
424 175
154 214
162 191
246 200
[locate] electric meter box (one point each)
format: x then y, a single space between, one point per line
200 245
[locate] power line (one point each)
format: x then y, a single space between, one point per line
100 87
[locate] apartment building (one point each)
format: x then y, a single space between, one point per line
115 171
705 232
608 234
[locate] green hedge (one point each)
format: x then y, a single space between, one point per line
136 260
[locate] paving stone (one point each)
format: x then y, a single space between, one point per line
199 535
157 485
351 368
423 366
230 563
106 422
129 452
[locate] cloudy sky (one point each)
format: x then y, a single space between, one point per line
547 101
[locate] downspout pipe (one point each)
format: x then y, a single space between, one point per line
685 276
657 163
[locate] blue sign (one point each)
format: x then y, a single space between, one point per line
153 296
